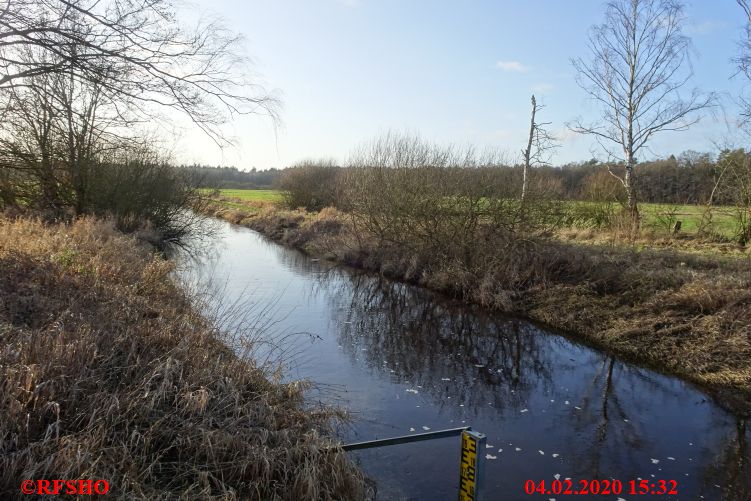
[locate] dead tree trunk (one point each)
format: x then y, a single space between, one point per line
528 152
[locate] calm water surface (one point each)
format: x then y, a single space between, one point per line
403 360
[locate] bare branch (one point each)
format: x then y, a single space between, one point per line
639 62
157 62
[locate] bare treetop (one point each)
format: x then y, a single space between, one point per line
638 65
744 60
136 50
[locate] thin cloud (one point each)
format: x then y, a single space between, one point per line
512 66
705 28
542 88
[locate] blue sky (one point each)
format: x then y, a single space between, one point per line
453 71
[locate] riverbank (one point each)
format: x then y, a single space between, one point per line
676 312
109 372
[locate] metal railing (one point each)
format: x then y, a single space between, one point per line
471 464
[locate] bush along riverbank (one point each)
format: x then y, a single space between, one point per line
109 372
678 313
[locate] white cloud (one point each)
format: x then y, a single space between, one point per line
705 27
542 88
512 66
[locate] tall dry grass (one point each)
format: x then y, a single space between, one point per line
108 371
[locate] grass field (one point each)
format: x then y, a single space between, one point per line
658 217
690 216
253 195
248 202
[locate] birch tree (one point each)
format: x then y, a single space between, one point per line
743 60
637 68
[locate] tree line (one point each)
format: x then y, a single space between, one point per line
689 178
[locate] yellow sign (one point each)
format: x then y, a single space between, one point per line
470 468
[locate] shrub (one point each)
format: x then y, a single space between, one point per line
310 184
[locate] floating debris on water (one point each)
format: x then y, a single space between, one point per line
489 456
410 390
556 455
524 410
655 461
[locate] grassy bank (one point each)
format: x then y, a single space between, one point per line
108 372
680 313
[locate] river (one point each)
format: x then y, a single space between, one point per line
403 360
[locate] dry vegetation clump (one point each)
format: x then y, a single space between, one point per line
108 371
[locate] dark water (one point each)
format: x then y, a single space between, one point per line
403 360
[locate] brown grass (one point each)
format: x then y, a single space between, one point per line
681 313
107 371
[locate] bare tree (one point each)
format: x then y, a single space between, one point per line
639 64
744 60
539 145
156 62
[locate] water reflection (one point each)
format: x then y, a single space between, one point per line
454 354
730 469
401 358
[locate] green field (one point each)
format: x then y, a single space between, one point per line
659 217
690 216
253 195
662 217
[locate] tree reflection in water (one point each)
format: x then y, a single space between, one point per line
457 355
